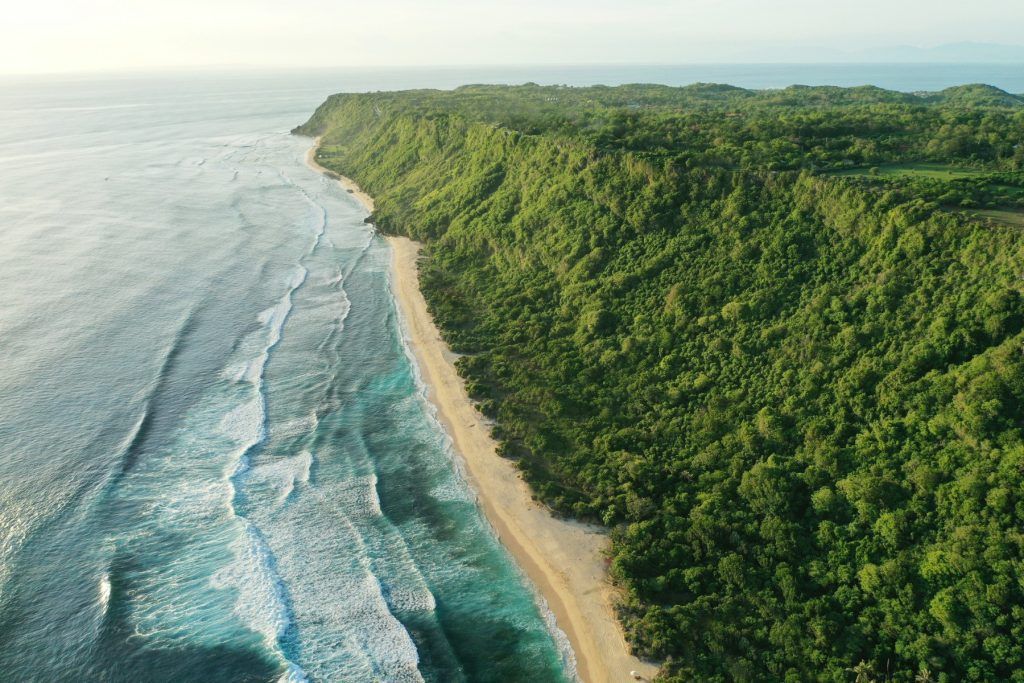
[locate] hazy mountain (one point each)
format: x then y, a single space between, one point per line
952 52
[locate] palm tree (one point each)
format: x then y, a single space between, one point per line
863 672
923 676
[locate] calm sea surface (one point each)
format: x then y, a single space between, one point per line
216 461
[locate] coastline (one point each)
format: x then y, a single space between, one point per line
565 560
347 184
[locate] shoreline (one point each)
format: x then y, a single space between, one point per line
347 184
564 559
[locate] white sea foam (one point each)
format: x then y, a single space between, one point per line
460 487
366 498
452 490
320 532
422 397
234 372
295 427
245 422
332 584
565 651
411 599
261 602
281 474
297 472
293 674
261 599
104 592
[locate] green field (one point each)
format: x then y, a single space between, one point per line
1012 217
931 171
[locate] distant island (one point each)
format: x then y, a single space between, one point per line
773 340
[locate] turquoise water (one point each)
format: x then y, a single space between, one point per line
216 462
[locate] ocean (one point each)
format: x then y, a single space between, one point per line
217 462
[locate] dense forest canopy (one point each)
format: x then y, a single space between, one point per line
772 339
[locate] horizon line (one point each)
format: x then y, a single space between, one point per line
223 68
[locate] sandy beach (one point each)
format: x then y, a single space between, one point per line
565 560
348 184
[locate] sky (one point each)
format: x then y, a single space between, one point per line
43 36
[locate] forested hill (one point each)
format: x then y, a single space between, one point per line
772 339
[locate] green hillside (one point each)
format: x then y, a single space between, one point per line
791 389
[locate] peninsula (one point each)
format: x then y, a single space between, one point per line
771 340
